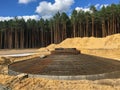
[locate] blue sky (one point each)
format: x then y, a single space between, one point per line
36 9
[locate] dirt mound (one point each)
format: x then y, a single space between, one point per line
81 43
51 46
109 42
113 41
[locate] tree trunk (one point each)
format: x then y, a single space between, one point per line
74 30
92 26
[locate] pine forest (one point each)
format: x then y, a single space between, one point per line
18 33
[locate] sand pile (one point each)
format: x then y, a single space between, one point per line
83 43
107 53
109 42
113 41
51 47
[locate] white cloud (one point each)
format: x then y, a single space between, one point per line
83 9
36 17
47 17
97 5
25 1
103 5
5 18
47 8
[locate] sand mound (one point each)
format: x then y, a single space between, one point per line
51 47
109 42
81 43
113 41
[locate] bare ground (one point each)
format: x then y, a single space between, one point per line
16 51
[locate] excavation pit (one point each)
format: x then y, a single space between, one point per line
68 64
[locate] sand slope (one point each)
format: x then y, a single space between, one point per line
109 42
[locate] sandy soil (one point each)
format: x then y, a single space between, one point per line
16 51
108 47
17 83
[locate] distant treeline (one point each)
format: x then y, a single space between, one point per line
17 33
